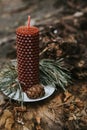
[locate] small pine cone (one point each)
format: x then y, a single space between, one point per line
36 91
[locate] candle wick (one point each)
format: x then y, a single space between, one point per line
28 21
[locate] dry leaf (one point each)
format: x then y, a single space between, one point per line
20 109
79 103
70 118
9 123
25 128
28 116
70 39
72 107
67 96
38 119
81 63
38 127
7 114
74 117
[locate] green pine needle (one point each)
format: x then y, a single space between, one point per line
51 73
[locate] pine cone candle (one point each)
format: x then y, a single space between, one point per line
28 55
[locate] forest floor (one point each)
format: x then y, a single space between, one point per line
63 34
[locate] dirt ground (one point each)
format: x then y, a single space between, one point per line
63 31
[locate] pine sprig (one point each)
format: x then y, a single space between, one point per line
9 83
51 73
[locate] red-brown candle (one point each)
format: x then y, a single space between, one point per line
28 55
